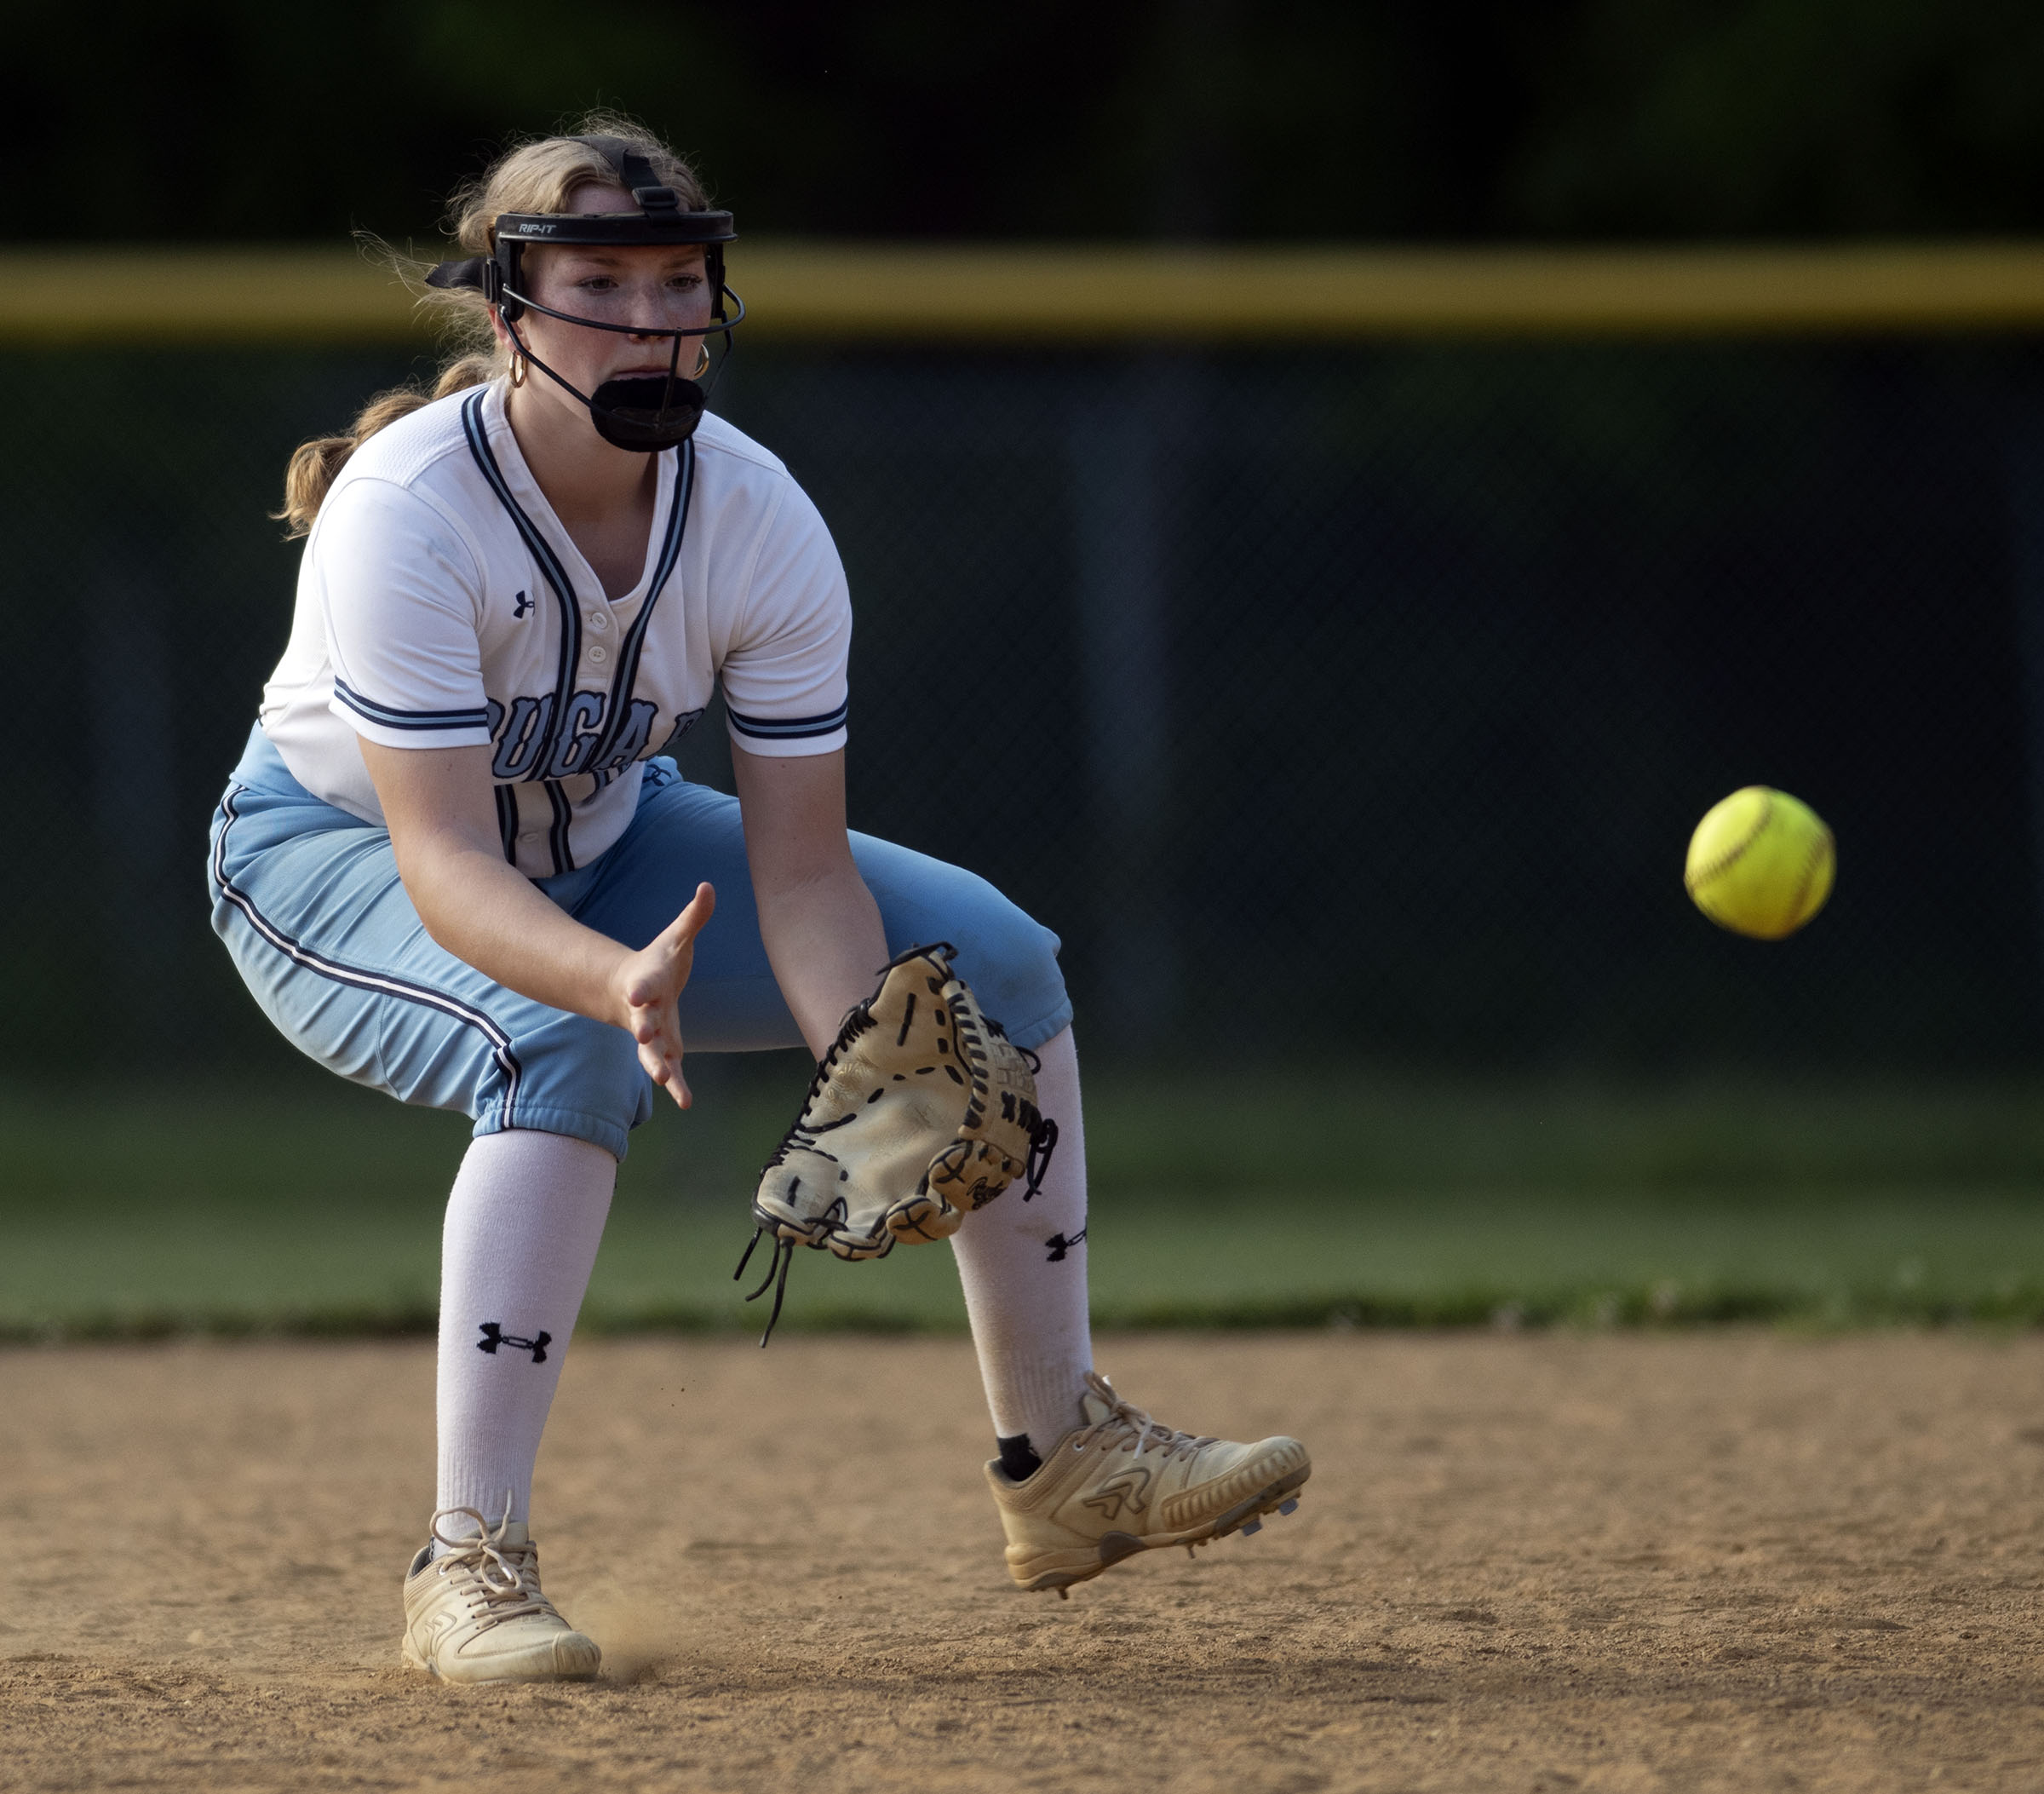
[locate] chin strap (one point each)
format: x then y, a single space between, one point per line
628 416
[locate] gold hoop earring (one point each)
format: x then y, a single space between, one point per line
701 360
519 369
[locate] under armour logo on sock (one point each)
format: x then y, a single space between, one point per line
494 1335
520 606
1060 1245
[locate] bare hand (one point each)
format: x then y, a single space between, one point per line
649 985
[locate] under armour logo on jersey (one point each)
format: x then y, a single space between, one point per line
1060 1245
520 606
495 1336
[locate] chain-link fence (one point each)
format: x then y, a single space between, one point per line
1355 697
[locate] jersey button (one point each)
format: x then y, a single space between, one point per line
530 836
598 620
599 654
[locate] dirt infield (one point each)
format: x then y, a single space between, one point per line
1709 1561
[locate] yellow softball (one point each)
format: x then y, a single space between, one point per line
1760 863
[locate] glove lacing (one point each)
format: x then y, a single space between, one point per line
778 1264
857 1020
497 1580
1043 1137
1143 1433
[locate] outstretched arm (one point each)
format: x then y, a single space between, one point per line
442 827
818 921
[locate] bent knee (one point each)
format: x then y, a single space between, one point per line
1011 962
571 1075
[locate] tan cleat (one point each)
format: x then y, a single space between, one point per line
476 1613
1123 1483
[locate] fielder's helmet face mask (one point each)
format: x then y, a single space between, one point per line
642 412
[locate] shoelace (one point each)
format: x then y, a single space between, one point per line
1145 1433
499 1580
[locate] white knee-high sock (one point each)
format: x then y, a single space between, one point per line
1023 1265
523 1225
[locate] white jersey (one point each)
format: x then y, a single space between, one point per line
441 604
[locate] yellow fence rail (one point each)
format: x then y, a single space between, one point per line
1012 293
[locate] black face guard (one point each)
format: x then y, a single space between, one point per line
646 412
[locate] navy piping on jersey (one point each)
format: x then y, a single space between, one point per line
355 976
396 719
507 821
564 819
635 637
554 573
789 729
556 576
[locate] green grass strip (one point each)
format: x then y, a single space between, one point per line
1321 1200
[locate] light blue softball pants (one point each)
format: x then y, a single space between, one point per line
308 901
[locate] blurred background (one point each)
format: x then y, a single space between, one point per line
1581 409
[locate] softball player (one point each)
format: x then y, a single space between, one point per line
454 864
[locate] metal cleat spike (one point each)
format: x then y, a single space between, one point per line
1254 1525
1288 1507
